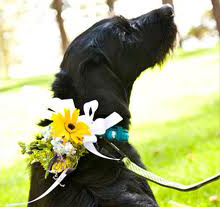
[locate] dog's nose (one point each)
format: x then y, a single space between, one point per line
167 10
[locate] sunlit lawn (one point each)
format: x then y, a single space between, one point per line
176 129
185 150
12 85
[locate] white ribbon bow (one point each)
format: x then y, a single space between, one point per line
97 127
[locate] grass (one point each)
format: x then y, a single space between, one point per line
181 54
185 150
14 184
12 85
176 128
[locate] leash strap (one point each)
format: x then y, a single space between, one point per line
133 168
160 181
156 179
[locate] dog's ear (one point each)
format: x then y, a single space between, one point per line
97 81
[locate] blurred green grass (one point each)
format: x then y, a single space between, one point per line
184 149
12 85
181 54
14 184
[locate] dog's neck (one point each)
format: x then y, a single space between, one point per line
102 84
96 82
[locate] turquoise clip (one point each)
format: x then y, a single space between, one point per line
117 134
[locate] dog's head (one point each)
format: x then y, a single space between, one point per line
104 61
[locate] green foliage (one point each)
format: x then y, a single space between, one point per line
43 156
42 151
38 151
23 147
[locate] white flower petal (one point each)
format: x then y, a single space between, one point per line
47 114
68 104
56 105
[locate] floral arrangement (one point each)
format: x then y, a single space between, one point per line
68 137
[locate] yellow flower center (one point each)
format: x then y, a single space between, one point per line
71 126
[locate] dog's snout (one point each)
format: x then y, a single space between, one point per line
167 10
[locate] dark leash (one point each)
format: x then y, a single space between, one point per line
132 167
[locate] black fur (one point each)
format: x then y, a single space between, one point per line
102 64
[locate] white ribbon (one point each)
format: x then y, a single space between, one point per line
54 185
97 127
90 146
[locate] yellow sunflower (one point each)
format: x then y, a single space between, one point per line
68 128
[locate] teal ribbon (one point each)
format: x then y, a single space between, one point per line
118 134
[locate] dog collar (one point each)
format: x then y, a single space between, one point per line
117 134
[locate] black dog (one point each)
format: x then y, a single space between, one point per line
102 64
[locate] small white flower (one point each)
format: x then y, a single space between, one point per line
46 134
69 149
58 147
63 149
